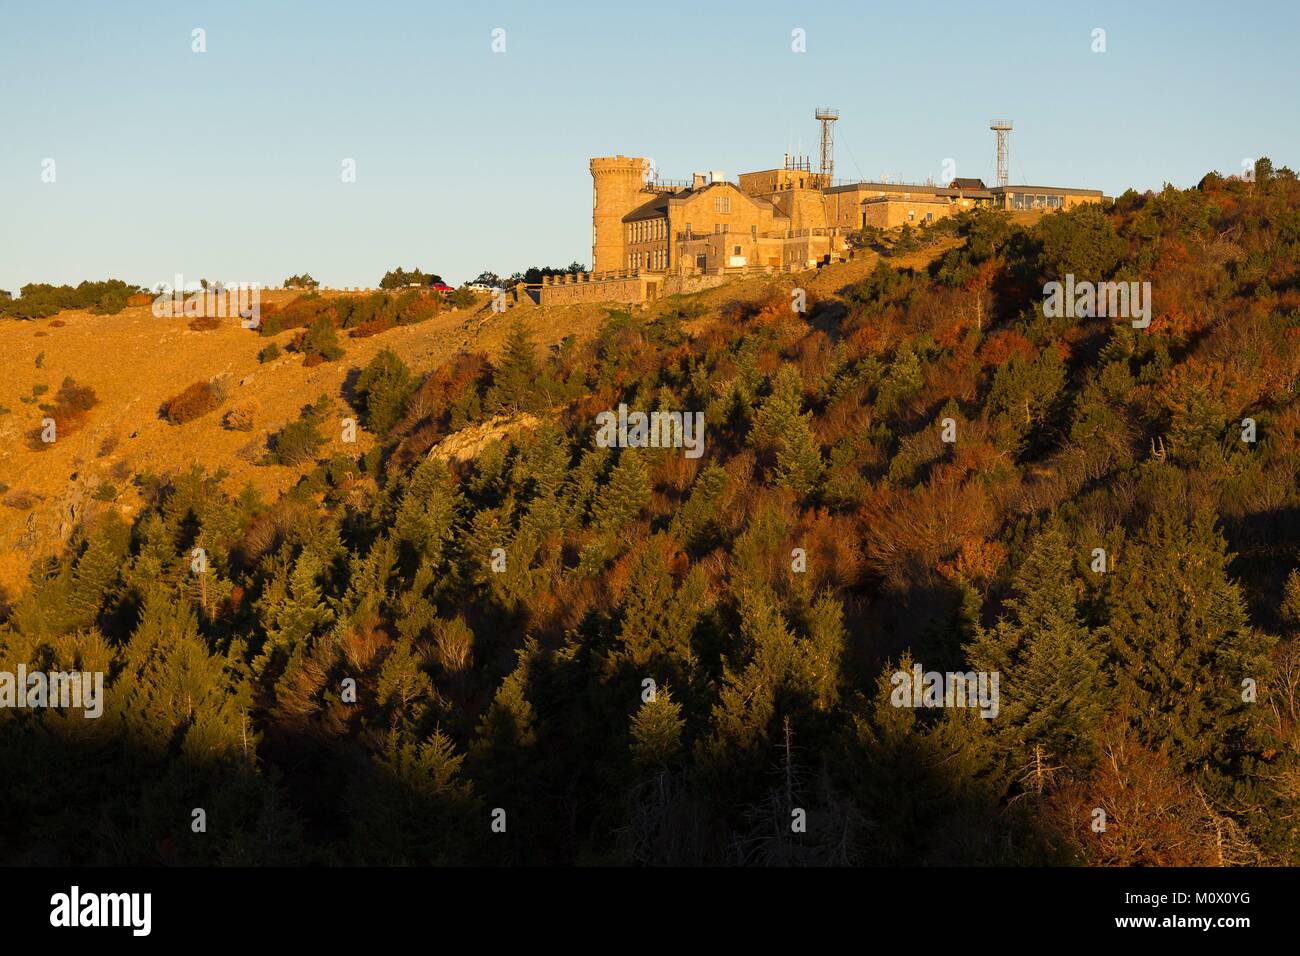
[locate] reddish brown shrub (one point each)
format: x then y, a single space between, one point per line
197 400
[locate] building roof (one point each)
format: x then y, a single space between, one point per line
923 197
960 183
656 208
1053 190
923 188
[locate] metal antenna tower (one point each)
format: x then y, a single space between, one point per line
1002 127
827 117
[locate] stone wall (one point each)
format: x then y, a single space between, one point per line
624 287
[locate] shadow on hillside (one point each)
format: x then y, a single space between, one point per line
1266 545
84 793
349 387
827 316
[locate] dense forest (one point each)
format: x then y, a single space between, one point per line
647 658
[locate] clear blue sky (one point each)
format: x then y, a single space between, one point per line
227 164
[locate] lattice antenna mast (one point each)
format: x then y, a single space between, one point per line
827 117
1002 127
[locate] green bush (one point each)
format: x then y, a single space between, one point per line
299 441
320 343
296 443
384 387
40 299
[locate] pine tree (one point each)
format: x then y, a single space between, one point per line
98 570
170 687
402 683
930 783
657 731
1182 643
428 516
514 380
695 523
626 494
384 387
799 464
1050 665
658 619
777 415
415 807
293 609
783 427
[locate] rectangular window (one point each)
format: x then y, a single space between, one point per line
735 250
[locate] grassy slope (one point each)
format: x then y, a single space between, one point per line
135 362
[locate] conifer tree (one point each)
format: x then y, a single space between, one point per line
293 609
626 494
658 619
428 516
515 378
384 387
657 729
695 523
415 807
943 762
1050 665
1182 644
98 570
783 427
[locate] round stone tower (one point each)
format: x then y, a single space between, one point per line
618 181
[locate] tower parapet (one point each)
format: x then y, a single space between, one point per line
619 183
